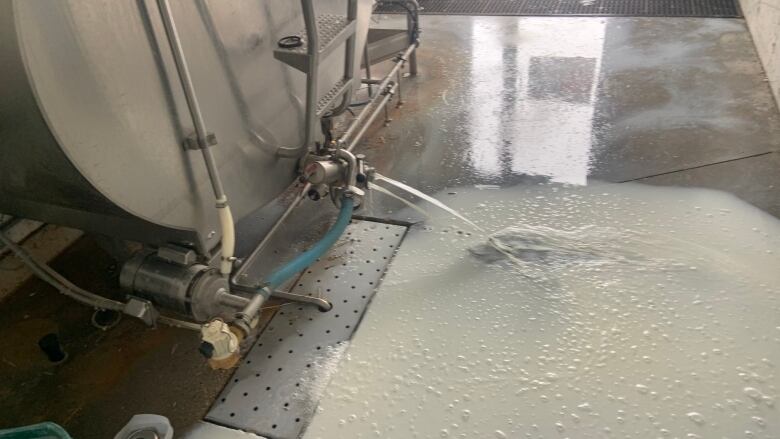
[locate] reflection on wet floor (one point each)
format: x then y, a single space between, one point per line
532 99
503 100
623 310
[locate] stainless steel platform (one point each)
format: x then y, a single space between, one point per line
334 30
275 389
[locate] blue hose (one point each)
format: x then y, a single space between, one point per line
305 259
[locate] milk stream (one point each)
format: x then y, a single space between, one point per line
376 187
427 198
624 311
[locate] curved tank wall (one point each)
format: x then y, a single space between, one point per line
93 117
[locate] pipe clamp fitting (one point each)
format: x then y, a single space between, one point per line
194 142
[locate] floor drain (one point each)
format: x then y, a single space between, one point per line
105 319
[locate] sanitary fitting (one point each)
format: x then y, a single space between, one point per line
220 344
340 174
323 171
365 173
349 187
389 90
246 319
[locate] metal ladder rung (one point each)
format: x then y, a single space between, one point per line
326 101
333 31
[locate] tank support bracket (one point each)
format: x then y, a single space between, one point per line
194 142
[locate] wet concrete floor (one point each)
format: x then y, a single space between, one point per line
680 101
498 100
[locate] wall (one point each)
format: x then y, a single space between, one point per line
763 17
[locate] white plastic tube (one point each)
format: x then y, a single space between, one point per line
228 239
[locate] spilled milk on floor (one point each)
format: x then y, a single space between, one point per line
623 311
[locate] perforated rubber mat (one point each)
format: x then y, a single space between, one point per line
275 389
617 8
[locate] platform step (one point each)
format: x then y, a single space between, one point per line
326 102
333 31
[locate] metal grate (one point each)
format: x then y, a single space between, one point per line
614 8
276 388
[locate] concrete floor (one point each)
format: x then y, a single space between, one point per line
498 100
680 101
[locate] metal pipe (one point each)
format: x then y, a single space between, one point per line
387 114
64 286
232 300
245 318
359 136
413 27
313 50
236 279
398 87
240 302
367 61
349 56
182 69
321 303
382 86
176 323
352 161
205 140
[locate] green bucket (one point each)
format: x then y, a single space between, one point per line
44 430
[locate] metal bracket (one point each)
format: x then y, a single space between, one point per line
193 142
177 255
141 309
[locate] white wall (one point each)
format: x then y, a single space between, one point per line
763 17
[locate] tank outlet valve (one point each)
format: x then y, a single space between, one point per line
323 172
219 344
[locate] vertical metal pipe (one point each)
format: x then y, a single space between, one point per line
412 40
367 60
349 56
223 208
185 78
398 87
313 50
